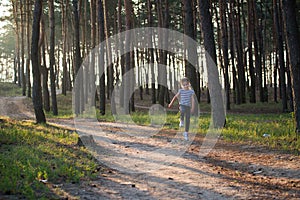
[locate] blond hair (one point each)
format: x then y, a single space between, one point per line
185 79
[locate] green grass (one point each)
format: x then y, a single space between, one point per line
10 89
241 125
272 130
64 106
30 153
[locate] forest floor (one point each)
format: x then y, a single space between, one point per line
164 166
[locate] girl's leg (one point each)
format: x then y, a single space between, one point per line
182 113
187 118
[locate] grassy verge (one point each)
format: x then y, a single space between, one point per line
275 130
272 130
31 154
64 106
10 89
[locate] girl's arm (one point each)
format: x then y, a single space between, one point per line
174 98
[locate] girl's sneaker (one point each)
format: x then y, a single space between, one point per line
181 123
185 135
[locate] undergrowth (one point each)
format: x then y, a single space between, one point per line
33 157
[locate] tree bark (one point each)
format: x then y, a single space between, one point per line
293 45
279 45
151 53
250 52
127 81
257 36
23 79
232 53
93 44
17 77
241 86
64 33
44 69
121 46
37 93
84 49
275 78
224 33
101 57
28 15
78 89
218 113
289 84
163 54
52 57
110 71
192 57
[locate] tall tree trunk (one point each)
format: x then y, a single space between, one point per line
122 56
116 55
110 74
279 44
78 89
289 83
264 45
224 46
159 53
162 74
82 36
218 113
132 80
257 35
17 45
28 20
151 53
70 72
93 44
127 89
83 25
64 8
192 57
241 87
293 45
275 78
23 79
101 56
37 92
232 53
57 70
44 69
83 15
52 57
250 52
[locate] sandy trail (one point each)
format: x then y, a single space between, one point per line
16 107
144 169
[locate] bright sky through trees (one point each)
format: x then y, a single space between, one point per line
4 11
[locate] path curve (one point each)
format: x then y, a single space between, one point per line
16 107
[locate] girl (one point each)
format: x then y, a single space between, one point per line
185 97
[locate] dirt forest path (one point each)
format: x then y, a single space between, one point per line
19 107
157 166
141 170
